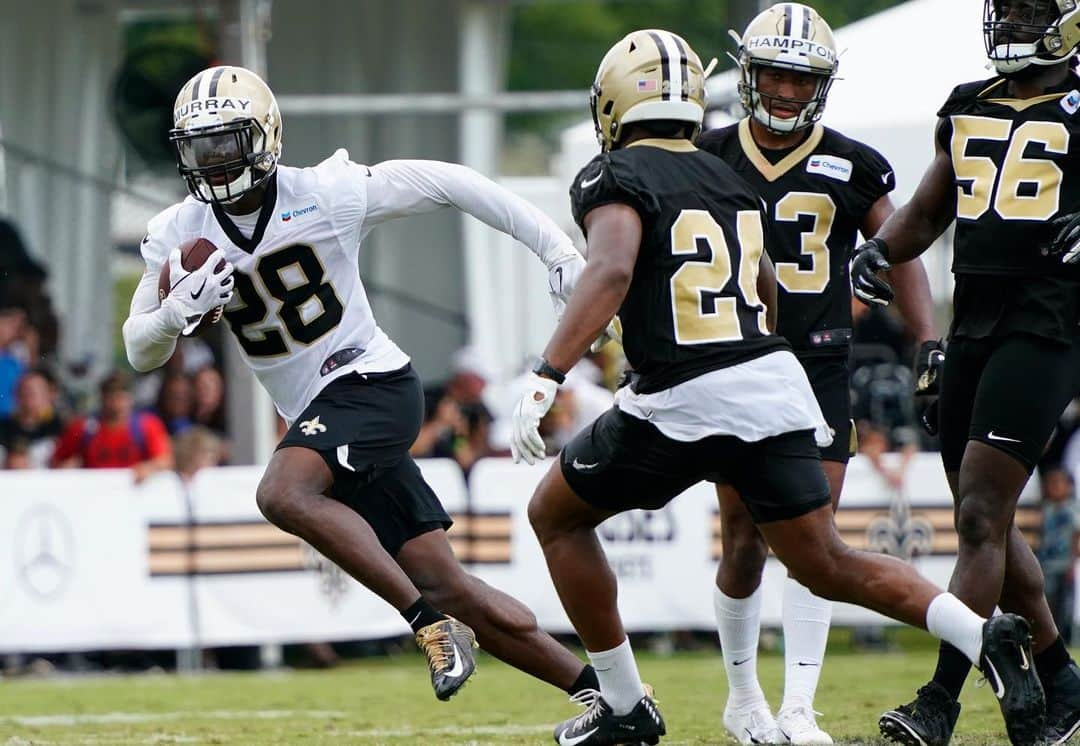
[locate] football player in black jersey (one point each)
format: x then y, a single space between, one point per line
820 189
676 248
1007 169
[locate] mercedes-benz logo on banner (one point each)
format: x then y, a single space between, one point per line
44 551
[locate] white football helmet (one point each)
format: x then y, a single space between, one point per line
1018 35
790 36
226 133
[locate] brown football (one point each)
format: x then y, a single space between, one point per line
193 254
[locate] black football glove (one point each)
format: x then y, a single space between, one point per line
867 260
1066 243
929 364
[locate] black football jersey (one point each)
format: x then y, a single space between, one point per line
1016 164
692 306
816 196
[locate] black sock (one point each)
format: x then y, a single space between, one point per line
585 680
1050 661
952 669
421 614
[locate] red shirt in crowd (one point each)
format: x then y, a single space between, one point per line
102 446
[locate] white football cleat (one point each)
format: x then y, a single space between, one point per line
799 727
753 725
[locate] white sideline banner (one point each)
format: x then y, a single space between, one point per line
89 560
73 562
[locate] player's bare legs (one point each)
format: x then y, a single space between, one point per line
1022 590
747 715
291 496
504 626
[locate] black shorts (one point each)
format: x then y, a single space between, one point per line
622 463
1007 392
363 425
830 380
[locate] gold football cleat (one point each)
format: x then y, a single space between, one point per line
448 645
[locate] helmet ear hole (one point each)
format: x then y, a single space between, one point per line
608 107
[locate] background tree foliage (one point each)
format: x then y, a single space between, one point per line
557 44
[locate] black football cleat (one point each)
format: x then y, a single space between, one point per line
1063 706
929 720
599 726
448 645
1006 662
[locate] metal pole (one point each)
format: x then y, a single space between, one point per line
250 411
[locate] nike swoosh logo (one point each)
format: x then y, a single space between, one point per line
991 436
801 663
586 183
196 293
739 663
564 741
459 666
584 467
885 177
998 685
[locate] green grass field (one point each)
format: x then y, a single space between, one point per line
389 701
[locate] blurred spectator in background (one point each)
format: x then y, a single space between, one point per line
34 424
876 440
197 448
880 335
22 285
117 437
13 355
175 401
1058 546
209 406
17 456
458 423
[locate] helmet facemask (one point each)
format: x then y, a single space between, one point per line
1023 33
760 104
221 163
787 37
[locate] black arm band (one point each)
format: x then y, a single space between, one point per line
882 247
545 369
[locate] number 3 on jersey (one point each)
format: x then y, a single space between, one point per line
701 312
309 308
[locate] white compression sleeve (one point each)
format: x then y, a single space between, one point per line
151 331
411 187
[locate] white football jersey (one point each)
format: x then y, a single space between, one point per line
298 296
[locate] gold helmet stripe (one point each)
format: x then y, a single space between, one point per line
214 81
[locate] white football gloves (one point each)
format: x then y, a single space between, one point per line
525 440
195 294
563 276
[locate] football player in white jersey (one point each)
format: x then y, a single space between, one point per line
286 271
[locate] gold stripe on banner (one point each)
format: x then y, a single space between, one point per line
852 524
239 547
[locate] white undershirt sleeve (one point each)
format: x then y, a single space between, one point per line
411 187
151 330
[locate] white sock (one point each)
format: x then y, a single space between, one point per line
738 620
948 619
806 633
620 683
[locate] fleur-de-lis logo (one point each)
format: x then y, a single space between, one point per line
900 534
312 426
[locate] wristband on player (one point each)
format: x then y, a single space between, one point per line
545 369
881 246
